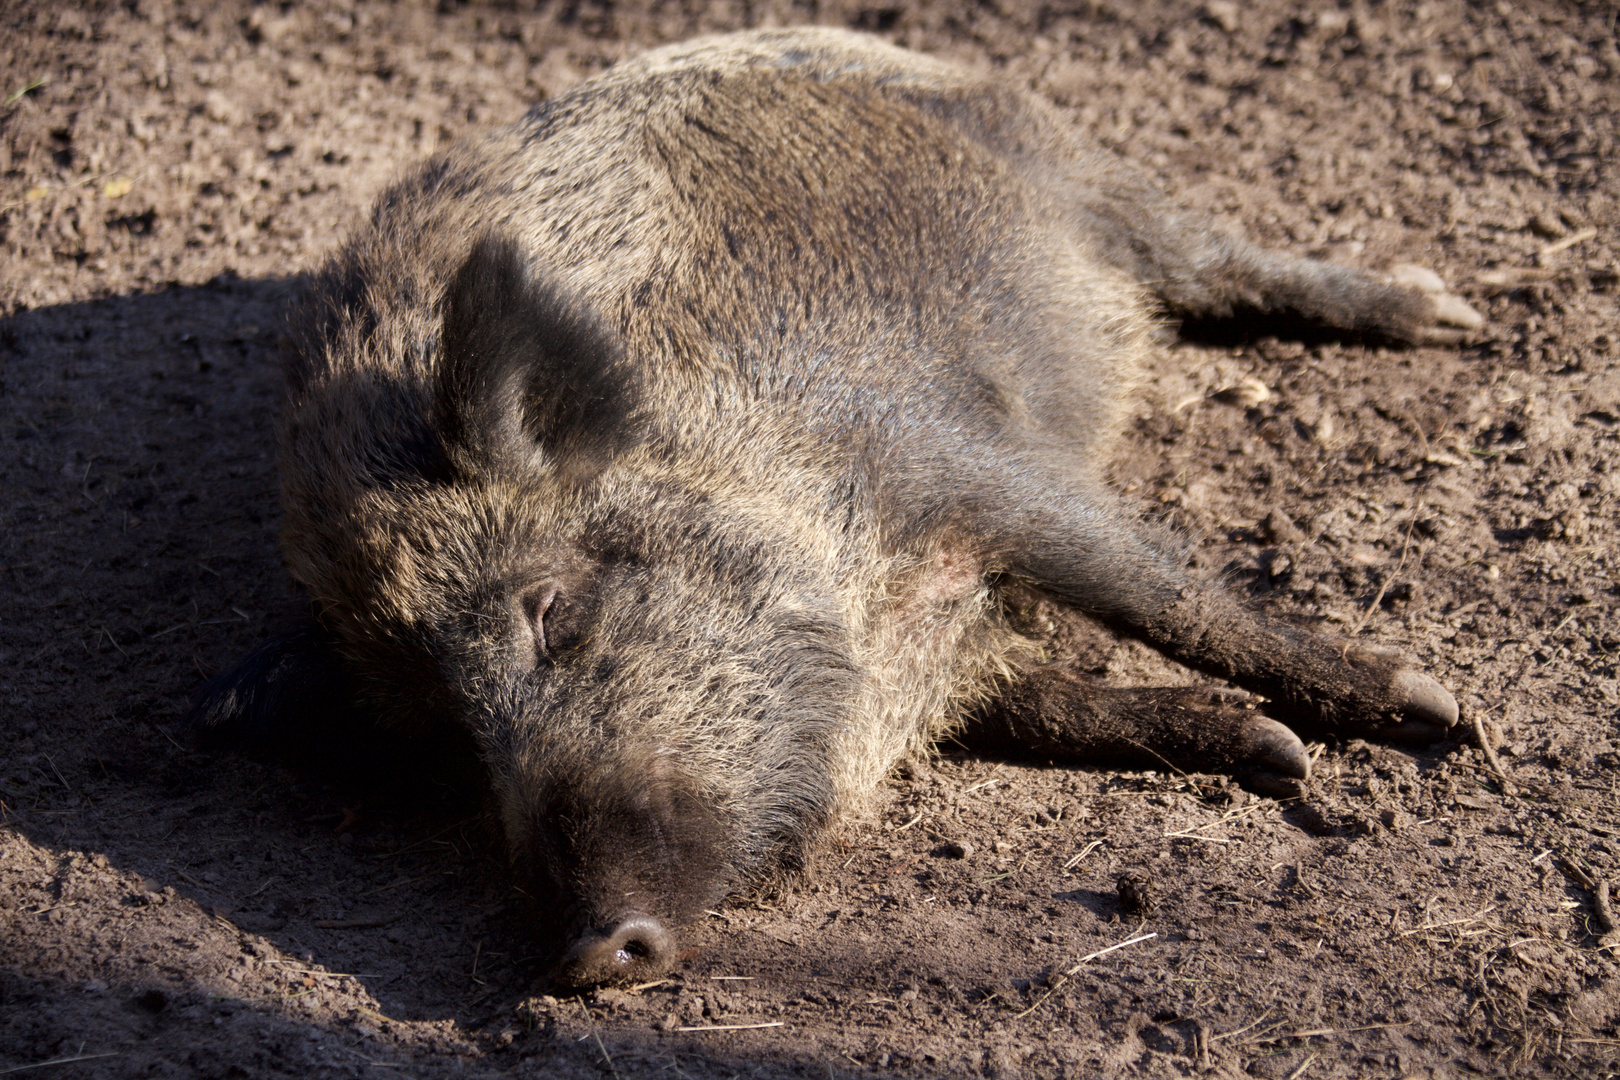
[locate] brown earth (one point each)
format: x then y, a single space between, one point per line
170 169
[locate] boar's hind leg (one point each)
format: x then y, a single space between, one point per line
1078 548
1199 271
1051 712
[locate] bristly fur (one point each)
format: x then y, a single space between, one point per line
683 441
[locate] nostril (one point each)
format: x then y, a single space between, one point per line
640 940
634 950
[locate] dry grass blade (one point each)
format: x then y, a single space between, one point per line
358 924
1089 957
58 1061
1238 1031
1465 920
607 1057
1084 960
1087 850
1297 1073
1225 819
729 1027
1568 242
1406 546
1317 1033
1483 737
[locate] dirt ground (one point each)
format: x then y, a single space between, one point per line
169 170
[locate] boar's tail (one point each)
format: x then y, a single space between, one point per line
529 378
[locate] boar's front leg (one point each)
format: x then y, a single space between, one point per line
1052 712
276 699
1073 542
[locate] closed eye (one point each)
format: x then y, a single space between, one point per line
535 607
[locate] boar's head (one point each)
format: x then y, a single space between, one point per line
654 665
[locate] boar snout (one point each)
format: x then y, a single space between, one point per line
620 860
637 947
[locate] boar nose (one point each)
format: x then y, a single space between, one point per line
638 947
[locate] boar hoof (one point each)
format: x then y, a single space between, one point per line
1450 320
1274 747
1424 701
1424 705
637 948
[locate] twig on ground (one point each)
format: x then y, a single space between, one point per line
1241 1030
1495 763
1084 960
1297 1073
729 1027
1406 546
1576 873
1605 913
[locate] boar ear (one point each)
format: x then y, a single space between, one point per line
268 700
526 370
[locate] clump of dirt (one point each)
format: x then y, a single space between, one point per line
168 170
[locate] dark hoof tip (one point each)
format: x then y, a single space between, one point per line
636 949
1275 748
1425 701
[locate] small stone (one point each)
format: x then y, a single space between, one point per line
1001 847
1547 226
1330 23
1134 892
1224 14
1247 392
221 109
1279 528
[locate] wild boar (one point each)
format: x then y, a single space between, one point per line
689 442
